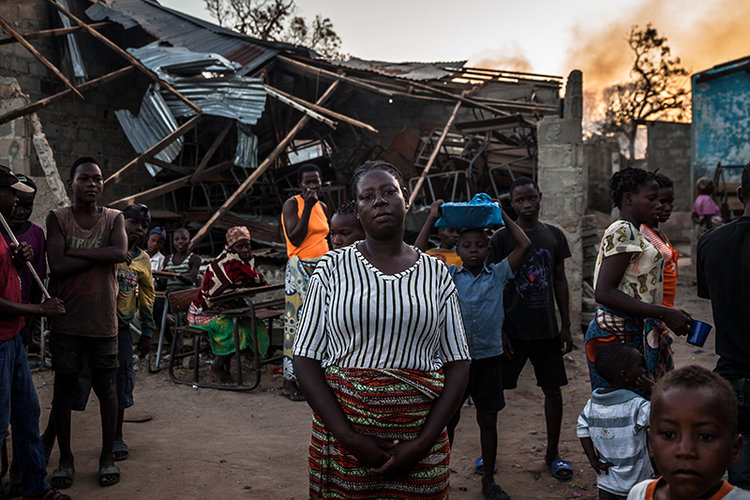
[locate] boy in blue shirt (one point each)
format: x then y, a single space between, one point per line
480 292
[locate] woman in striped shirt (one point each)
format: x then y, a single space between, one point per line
383 321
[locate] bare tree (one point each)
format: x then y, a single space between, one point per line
275 20
657 89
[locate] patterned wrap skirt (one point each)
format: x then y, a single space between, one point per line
650 337
384 404
296 281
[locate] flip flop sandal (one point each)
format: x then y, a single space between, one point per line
62 477
120 451
108 475
561 469
53 494
479 466
293 396
495 492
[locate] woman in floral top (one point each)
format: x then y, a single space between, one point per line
628 281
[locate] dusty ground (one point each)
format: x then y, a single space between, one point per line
214 444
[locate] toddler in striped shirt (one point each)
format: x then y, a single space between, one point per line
612 426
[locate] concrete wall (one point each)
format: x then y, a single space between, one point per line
562 179
669 152
721 123
600 157
73 127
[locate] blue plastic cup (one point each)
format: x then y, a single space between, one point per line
698 332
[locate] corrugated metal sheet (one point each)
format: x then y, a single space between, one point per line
236 97
154 122
246 154
167 60
182 30
418 71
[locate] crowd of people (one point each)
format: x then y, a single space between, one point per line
386 341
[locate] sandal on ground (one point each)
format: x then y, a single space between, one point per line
495 492
53 494
62 477
479 466
561 469
120 451
293 395
108 475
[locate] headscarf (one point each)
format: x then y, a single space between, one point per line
237 233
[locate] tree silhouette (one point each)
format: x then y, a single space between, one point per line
275 20
657 88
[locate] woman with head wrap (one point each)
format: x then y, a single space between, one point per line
233 268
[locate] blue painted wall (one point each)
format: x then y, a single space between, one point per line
721 122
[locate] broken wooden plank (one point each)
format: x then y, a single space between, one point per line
9 29
141 158
132 60
248 183
299 107
51 33
434 155
41 103
211 150
167 187
322 110
313 70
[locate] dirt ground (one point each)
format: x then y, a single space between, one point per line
204 443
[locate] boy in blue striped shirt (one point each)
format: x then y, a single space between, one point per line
612 426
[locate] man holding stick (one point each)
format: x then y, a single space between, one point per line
19 405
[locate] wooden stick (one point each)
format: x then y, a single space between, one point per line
168 166
248 183
299 107
51 33
138 160
322 110
42 103
167 187
28 263
211 150
461 98
7 27
132 60
330 74
433 155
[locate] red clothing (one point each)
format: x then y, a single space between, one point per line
10 289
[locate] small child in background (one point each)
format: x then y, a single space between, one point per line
183 262
345 227
480 291
446 252
156 239
612 425
692 437
706 213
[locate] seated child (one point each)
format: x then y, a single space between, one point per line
233 268
446 252
692 437
182 261
480 291
706 213
156 239
345 227
612 425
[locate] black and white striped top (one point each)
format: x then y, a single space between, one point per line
355 316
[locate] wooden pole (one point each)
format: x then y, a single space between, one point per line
51 33
181 130
211 150
461 98
322 110
434 155
167 187
7 27
299 107
248 183
330 74
132 60
41 103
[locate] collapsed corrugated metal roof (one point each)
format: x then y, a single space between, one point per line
182 30
165 59
153 122
418 71
236 97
